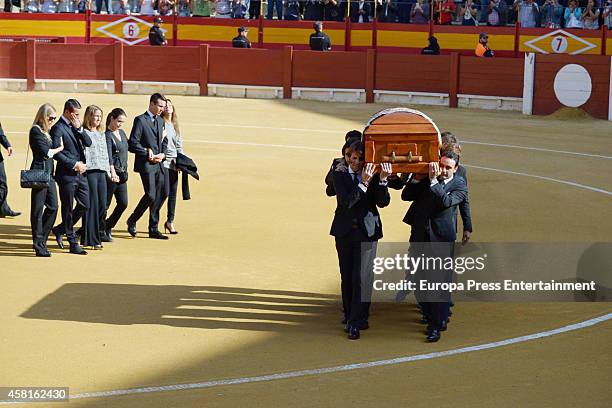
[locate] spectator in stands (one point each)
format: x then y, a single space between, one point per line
433 48
528 11
386 11
292 10
165 7
241 41
447 12
468 14
147 8
156 35
49 6
404 10
332 10
254 9
483 10
573 15
313 10
68 6
607 15
223 9
9 4
319 41
31 6
183 8
361 11
482 49
121 7
497 9
278 4
85 5
552 14
99 4
239 9
590 16
201 8
420 13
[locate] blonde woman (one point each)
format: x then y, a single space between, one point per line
175 146
99 167
44 201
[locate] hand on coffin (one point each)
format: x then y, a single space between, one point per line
367 173
385 171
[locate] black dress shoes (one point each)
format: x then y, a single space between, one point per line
131 228
106 237
43 254
157 235
77 250
58 238
12 213
444 326
433 336
353 333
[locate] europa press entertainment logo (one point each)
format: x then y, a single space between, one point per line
129 30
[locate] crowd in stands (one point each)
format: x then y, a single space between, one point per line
587 14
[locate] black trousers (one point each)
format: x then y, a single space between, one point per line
435 303
155 193
120 192
3 190
77 189
43 211
254 9
96 180
355 257
173 177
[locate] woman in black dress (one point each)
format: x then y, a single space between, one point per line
44 202
116 137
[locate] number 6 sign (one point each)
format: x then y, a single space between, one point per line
131 30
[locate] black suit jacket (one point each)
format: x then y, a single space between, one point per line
40 145
353 204
329 177
74 143
433 213
464 207
147 134
355 12
4 142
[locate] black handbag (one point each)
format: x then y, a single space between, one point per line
34 178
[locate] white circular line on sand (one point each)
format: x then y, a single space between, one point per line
345 367
321 149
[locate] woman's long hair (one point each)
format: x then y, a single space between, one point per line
88 119
42 117
114 114
174 118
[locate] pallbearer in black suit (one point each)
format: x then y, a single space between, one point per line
99 168
118 140
44 201
70 172
351 137
433 220
357 228
149 145
5 210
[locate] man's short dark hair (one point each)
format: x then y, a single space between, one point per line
352 134
317 25
156 97
450 153
357 147
71 105
242 30
448 137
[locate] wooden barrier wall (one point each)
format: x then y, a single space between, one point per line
452 74
274 34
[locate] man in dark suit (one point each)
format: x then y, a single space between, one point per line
156 35
241 41
70 173
433 220
5 210
148 142
319 41
340 163
357 228
361 11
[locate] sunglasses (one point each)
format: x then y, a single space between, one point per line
52 118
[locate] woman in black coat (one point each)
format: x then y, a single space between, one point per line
44 202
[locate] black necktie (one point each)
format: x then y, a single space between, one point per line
355 179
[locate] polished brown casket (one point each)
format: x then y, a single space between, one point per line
404 137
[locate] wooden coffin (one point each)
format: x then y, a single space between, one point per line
404 137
